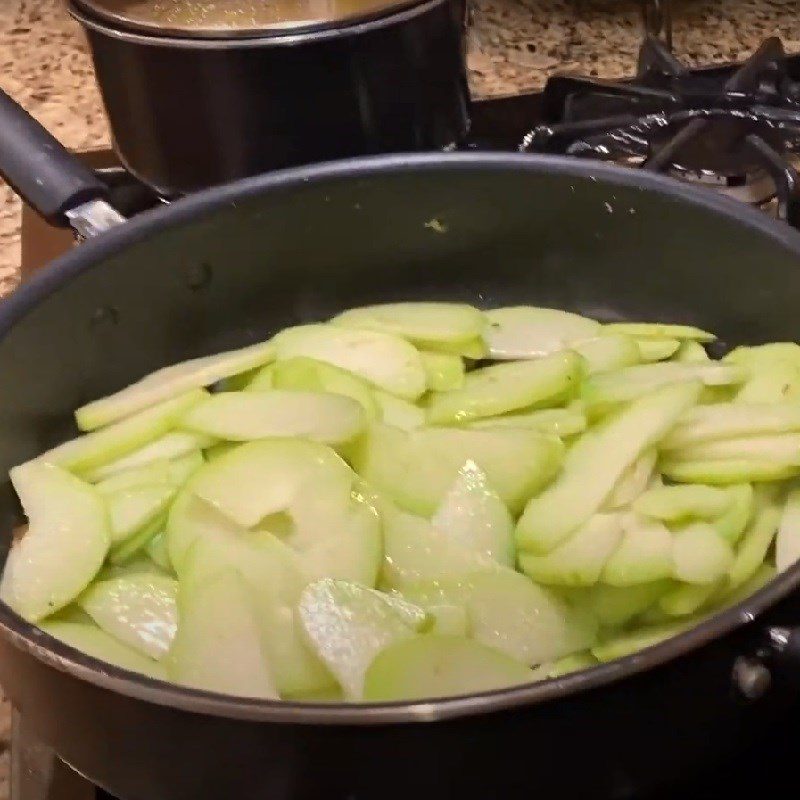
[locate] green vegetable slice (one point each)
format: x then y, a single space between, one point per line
681 503
244 416
443 371
439 666
732 523
607 353
779 449
417 468
347 625
171 382
65 544
617 605
579 561
787 543
561 422
644 555
501 388
657 349
91 640
131 509
724 472
641 639
700 555
103 446
633 481
398 412
316 376
659 331
596 462
755 542
421 322
388 362
219 645
530 332
139 609
687 598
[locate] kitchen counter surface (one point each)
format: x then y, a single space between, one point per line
514 45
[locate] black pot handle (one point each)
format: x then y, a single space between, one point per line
40 169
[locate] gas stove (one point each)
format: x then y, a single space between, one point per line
732 129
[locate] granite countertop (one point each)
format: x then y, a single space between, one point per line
514 45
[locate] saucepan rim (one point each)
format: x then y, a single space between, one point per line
60 656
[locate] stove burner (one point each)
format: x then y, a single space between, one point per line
715 128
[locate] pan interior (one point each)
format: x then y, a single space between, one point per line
223 269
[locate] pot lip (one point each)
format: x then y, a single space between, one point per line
278 35
39 645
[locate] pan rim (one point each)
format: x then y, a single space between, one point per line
55 654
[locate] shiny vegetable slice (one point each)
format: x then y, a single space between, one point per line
171 382
596 462
65 544
606 353
416 468
244 416
644 555
443 371
700 555
219 645
680 503
180 448
420 322
561 422
624 385
264 477
731 421
387 361
579 561
129 510
501 388
317 376
347 625
139 610
101 447
398 412
439 666
473 516
657 349
787 543
89 639
531 332
724 472
659 331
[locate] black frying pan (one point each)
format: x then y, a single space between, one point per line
231 265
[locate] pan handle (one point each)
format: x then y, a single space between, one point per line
42 171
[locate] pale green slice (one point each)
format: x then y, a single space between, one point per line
617 605
754 544
579 561
566 665
100 447
94 642
787 542
781 448
472 516
263 379
417 468
439 666
219 645
731 421
244 416
640 639
64 546
691 353
317 376
180 448
687 598
724 472
448 619
501 388
680 503
387 361
700 555
657 349
732 523
130 510
264 477
659 331
596 462
606 353
531 332
621 386
157 550
398 412
170 382
644 555
139 610
561 422
633 481
443 371
421 322
347 625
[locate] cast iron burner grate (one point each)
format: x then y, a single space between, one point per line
732 129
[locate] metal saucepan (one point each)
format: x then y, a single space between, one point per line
201 93
232 264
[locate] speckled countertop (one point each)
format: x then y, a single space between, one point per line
514 45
